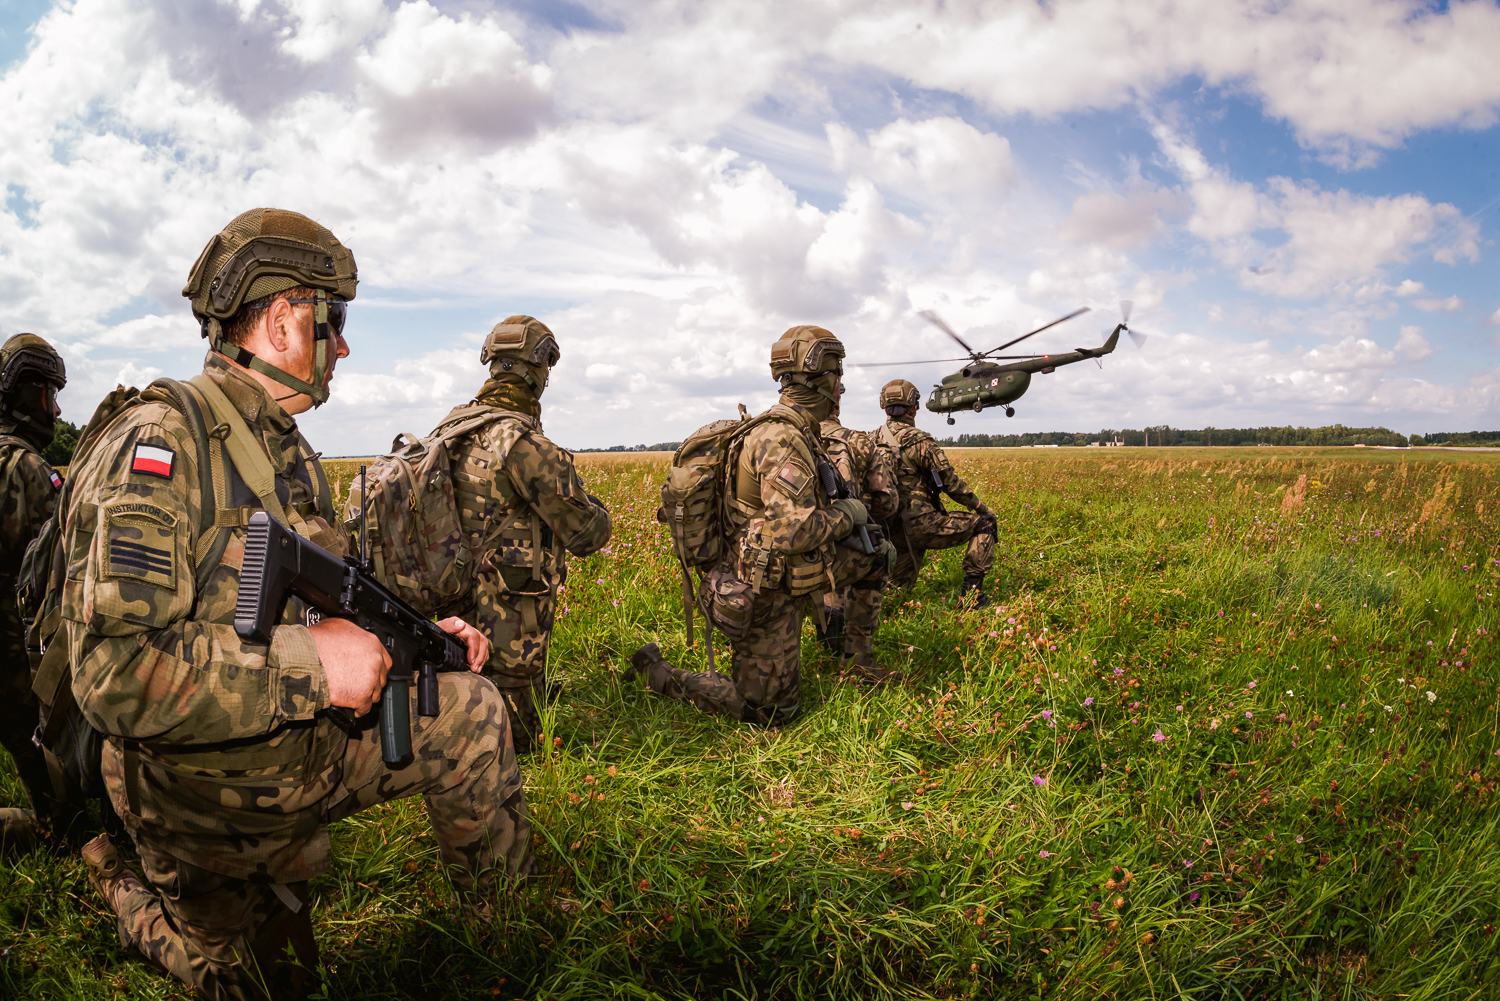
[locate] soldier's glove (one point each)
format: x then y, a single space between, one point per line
984 509
597 502
887 548
854 509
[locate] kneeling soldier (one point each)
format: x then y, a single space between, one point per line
924 474
524 509
782 547
222 757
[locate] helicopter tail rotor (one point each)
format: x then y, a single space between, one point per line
1139 339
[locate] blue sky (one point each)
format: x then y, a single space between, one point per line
1302 204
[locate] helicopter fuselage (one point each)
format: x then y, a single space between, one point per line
984 384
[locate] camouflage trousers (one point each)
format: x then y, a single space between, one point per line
859 601
519 629
958 528
19 710
766 665
232 938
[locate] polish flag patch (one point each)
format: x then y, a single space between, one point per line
153 460
56 481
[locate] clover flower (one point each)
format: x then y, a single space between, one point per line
1158 737
1089 701
1432 696
1037 780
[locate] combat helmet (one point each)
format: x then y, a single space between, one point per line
262 252
807 355
29 358
522 345
899 393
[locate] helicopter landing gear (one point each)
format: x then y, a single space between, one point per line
978 407
1010 411
952 421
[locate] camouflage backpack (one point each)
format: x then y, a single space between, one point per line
70 745
413 531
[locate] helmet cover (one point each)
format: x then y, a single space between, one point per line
524 346
29 358
899 393
807 351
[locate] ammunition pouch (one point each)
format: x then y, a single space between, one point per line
728 602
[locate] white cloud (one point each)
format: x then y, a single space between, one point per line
1123 222
1409 288
152 333
1452 304
1347 76
1413 344
933 158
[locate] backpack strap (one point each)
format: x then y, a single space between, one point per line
245 452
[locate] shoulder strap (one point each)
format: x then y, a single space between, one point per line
244 451
11 439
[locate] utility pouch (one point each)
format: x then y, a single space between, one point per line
729 602
759 566
806 573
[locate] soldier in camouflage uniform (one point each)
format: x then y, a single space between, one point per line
853 613
222 757
31 373
922 523
783 547
524 508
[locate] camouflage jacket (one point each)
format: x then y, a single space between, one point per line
777 495
236 760
523 507
916 456
868 470
28 493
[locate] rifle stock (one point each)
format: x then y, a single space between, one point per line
279 562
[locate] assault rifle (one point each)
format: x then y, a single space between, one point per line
278 561
834 484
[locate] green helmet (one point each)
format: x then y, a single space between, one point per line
260 253
523 345
29 358
809 356
899 393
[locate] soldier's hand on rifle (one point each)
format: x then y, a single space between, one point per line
854 509
354 663
477 642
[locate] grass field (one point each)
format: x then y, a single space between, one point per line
1228 731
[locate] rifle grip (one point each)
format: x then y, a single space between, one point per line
427 690
395 723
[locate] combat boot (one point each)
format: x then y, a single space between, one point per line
108 873
19 832
648 662
974 582
863 670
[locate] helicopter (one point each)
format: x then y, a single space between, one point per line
982 383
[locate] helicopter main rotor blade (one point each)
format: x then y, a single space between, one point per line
937 321
1038 330
1125 307
884 364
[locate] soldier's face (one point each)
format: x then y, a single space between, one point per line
301 351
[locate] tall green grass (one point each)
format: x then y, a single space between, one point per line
1206 743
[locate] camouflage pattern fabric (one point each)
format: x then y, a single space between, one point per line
28 493
872 478
239 768
227 937
922 523
775 501
524 508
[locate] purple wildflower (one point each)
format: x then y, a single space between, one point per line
1037 780
1158 736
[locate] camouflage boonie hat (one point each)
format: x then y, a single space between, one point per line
27 357
899 393
806 350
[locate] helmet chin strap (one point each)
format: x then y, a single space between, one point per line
321 336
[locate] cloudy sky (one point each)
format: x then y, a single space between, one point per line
1300 197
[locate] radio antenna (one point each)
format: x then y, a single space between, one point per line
364 497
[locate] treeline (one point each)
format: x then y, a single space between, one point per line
1462 439
1165 434
661 446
